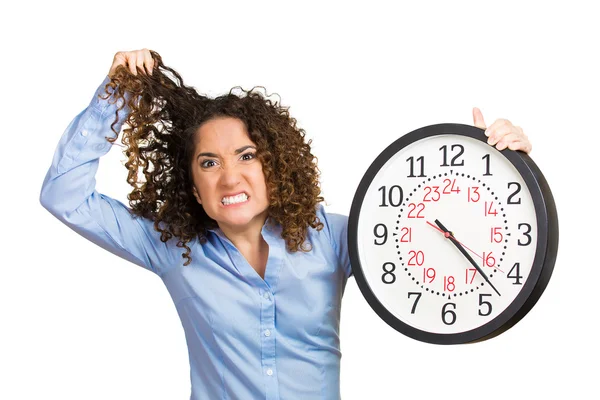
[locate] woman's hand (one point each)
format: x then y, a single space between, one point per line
502 133
133 59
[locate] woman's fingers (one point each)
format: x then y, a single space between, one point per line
503 134
133 60
520 145
119 59
506 140
148 61
498 130
478 118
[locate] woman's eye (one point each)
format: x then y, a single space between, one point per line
207 163
248 156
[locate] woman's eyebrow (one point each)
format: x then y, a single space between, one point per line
238 151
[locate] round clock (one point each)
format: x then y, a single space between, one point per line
452 241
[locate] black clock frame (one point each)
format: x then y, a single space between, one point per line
546 247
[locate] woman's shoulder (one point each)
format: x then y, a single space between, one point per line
335 229
335 225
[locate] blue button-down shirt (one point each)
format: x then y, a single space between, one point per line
248 338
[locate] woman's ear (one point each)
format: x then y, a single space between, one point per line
196 195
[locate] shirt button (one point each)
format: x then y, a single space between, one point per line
84 133
269 372
267 333
266 295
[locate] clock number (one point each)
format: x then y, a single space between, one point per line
382 236
516 275
510 200
486 158
418 258
471 193
526 234
449 283
446 313
407 235
450 187
413 207
453 162
428 273
414 306
428 190
470 272
420 160
488 259
490 209
496 234
395 201
388 277
487 303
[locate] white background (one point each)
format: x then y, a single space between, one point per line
79 323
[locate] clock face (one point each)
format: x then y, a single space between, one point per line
446 241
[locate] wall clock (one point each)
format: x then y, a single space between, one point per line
452 241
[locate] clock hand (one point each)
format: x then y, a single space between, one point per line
450 236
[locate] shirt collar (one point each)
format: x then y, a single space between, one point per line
270 228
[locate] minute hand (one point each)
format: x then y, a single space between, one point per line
464 252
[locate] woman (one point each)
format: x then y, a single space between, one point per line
259 268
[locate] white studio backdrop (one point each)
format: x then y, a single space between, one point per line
80 323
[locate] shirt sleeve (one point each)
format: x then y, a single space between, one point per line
68 190
336 226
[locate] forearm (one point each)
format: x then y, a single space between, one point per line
69 188
71 176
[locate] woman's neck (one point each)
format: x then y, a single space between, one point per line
246 238
252 245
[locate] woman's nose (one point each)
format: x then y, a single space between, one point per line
230 175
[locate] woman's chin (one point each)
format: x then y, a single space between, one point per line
239 220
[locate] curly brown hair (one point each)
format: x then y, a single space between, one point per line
158 135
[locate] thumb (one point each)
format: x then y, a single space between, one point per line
478 118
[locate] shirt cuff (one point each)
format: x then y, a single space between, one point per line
105 104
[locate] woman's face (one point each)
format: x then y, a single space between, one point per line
228 178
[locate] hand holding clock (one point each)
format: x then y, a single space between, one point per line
502 133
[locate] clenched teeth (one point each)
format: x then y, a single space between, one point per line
240 198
